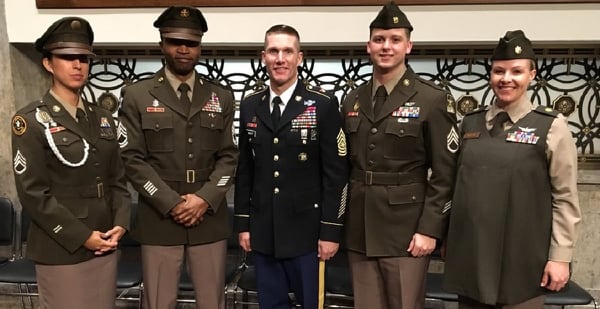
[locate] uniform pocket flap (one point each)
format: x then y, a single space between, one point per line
406 194
152 122
65 138
402 129
352 124
212 120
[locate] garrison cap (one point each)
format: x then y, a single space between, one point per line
391 17
514 45
67 36
182 22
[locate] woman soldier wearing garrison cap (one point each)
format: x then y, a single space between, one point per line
515 211
70 179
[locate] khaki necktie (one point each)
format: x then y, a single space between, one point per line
380 96
498 126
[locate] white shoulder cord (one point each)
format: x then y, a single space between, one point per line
44 119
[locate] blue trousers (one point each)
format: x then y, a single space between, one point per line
275 278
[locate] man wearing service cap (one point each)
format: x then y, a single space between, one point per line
179 153
515 214
69 178
400 128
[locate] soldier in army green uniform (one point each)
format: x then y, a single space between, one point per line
70 179
516 210
402 141
291 183
179 153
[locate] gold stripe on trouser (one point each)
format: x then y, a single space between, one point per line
321 284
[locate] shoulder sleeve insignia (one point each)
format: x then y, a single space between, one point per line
19 125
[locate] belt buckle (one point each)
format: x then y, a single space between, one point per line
368 178
100 189
190 176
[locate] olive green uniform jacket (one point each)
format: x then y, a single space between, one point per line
66 203
391 195
168 154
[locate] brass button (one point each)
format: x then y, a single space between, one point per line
275 140
276 174
190 155
371 146
275 158
190 140
373 130
276 190
157 126
316 205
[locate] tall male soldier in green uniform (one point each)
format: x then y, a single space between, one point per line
179 153
400 128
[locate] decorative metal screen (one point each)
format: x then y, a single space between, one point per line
571 85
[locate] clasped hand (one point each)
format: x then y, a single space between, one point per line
102 243
189 212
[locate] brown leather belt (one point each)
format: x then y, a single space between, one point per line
187 176
386 178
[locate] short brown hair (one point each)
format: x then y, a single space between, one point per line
285 29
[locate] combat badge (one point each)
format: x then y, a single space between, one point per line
19 163
19 125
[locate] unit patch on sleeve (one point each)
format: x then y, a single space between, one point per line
19 125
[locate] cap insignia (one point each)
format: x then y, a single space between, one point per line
184 13
518 50
396 20
75 25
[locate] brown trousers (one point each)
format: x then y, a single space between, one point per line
90 284
533 303
388 282
162 269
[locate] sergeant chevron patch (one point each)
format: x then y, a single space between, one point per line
122 135
341 142
452 141
19 163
